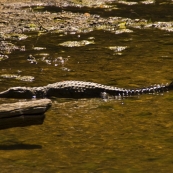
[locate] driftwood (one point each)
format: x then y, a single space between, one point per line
22 114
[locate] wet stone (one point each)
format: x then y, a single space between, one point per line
117 48
76 43
3 57
18 77
39 48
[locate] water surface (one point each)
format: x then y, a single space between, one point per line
132 134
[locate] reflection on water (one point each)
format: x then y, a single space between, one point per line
133 134
19 147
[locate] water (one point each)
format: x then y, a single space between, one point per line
133 134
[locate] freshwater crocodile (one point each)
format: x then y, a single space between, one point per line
78 89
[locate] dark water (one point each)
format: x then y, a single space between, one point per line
133 134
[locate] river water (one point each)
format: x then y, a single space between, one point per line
132 134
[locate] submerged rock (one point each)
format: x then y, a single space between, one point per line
39 48
3 57
117 48
16 36
7 47
76 43
18 77
120 31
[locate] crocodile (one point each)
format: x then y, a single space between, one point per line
79 89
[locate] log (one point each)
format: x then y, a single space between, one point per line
22 114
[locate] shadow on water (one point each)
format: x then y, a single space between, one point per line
152 12
19 147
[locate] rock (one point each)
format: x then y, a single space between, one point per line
22 114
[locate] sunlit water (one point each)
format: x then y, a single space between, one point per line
134 134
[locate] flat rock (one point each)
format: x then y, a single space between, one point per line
32 107
21 114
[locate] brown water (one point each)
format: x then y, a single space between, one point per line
133 134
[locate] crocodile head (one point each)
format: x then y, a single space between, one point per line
17 92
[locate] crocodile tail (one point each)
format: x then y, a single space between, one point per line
170 86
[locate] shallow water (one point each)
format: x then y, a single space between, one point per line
133 134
